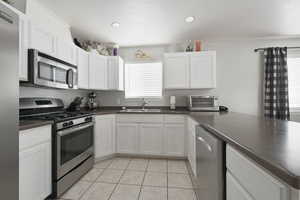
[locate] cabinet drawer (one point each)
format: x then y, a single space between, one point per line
174 119
34 136
255 180
140 118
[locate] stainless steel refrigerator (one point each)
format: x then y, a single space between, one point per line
9 105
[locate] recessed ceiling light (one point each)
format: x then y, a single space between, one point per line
115 24
189 19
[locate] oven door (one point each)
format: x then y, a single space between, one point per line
74 145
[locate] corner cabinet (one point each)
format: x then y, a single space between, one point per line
104 135
97 72
190 70
35 163
115 66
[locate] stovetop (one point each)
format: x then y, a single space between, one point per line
58 117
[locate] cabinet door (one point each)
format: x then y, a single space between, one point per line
174 139
115 73
234 191
42 40
66 51
35 172
97 72
151 139
203 70
127 138
83 68
104 135
23 49
176 71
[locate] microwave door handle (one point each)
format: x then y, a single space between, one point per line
70 77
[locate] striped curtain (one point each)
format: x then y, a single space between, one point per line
276 99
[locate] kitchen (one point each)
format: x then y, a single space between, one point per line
171 110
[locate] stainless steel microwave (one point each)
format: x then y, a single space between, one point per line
47 71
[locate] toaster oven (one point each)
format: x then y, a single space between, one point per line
203 103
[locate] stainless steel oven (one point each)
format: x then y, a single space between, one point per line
74 145
45 70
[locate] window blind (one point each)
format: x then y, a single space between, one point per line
143 80
294 81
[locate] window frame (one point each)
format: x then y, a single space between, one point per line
140 98
293 54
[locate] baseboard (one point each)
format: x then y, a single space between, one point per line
129 155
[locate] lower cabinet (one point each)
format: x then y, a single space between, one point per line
151 138
151 134
104 135
174 139
191 137
35 163
243 173
127 138
234 190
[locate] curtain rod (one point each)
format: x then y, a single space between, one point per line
261 49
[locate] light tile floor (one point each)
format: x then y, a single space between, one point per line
134 179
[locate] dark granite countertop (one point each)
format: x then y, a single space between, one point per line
274 144
28 124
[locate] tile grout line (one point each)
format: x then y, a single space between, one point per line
142 184
124 170
167 179
93 182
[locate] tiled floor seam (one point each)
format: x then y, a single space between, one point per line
143 180
118 181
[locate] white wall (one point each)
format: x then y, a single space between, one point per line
239 74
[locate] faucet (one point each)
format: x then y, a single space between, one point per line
144 103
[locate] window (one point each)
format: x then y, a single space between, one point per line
293 62
143 80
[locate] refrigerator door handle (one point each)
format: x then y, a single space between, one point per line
205 143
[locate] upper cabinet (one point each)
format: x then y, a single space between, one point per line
176 71
191 70
115 66
97 72
66 51
83 68
203 70
41 39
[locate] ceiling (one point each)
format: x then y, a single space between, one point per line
151 22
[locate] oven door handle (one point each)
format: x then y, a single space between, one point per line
77 128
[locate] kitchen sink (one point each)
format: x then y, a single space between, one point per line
142 110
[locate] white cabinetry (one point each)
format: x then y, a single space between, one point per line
254 179
97 71
115 66
42 40
83 68
104 135
23 48
66 51
203 70
127 137
151 134
176 71
190 70
151 138
234 190
35 163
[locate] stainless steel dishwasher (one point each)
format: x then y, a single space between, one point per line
210 164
